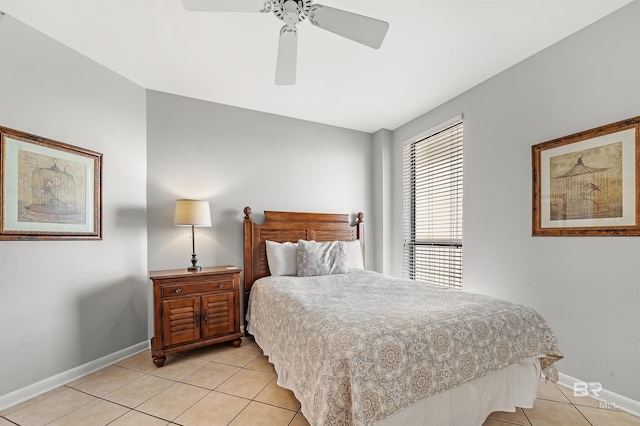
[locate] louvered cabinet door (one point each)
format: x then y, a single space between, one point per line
218 314
181 320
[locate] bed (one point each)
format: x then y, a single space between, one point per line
361 348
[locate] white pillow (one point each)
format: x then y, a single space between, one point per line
354 255
281 258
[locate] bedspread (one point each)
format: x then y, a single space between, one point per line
358 347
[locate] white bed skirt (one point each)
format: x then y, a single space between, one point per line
471 403
465 405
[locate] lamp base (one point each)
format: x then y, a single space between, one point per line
194 266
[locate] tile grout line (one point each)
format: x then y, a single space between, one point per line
573 404
507 422
582 414
525 413
10 421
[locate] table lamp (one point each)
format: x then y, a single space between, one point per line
192 213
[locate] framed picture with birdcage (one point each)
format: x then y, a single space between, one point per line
588 183
49 190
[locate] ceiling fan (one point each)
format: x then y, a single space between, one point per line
362 29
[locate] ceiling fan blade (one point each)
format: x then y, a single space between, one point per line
287 56
359 28
226 5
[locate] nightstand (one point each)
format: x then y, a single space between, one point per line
192 309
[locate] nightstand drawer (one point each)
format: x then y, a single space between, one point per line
181 289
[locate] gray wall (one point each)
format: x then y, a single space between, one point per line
66 303
236 157
587 287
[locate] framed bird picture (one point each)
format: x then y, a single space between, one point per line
49 190
587 184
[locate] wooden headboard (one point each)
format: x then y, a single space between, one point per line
291 226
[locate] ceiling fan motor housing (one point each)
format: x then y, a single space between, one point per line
291 11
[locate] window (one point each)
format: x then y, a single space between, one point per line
432 206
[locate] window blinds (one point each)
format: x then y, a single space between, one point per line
432 207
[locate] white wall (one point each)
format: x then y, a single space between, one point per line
588 288
236 157
67 303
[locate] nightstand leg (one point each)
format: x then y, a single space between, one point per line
159 360
236 343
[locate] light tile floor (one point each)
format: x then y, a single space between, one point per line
222 385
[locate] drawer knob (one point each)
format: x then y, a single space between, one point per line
221 285
178 290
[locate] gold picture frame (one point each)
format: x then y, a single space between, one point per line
588 183
49 190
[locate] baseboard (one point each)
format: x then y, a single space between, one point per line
68 376
609 398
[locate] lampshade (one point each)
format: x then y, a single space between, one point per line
192 212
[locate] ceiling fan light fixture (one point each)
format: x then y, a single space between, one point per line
291 12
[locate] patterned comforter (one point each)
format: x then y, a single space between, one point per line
361 346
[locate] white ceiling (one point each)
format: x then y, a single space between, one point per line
434 50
